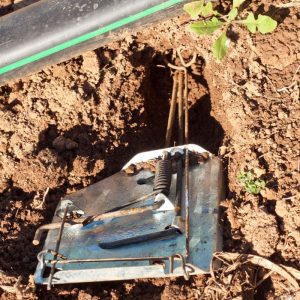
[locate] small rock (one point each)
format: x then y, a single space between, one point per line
4 184
222 150
61 143
81 91
289 133
281 114
90 63
74 292
131 170
259 171
82 295
269 141
268 131
114 294
268 194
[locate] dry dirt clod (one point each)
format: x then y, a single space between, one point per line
131 170
268 194
222 150
90 62
61 143
259 172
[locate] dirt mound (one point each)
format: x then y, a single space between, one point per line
75 123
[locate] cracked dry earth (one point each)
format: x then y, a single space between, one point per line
77 122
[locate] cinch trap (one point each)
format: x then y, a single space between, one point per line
157 217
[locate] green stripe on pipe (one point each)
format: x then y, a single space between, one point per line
87 36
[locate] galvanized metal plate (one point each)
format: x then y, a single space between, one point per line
81 243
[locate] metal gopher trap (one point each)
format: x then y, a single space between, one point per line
140 222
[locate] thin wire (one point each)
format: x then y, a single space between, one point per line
180 109
172 111
56 251
187 179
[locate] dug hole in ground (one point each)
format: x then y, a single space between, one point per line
77 122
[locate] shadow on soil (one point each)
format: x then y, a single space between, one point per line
5 9
277 13
20 221
205 130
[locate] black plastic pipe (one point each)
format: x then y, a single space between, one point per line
52 31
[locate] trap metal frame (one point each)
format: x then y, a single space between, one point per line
74 255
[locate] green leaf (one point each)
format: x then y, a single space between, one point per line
198 8
252 189
245 176
237 3
233 14
264 24
250 22
251 185
206 27
255 187
207 10
194 9
220 47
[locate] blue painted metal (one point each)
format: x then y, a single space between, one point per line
206 190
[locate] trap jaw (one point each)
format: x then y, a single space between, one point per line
72 253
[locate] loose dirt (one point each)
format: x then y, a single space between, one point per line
75 123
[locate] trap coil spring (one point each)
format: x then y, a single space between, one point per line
163 175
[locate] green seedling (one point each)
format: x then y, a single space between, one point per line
211 20
251 184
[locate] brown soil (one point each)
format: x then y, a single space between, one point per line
75 123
